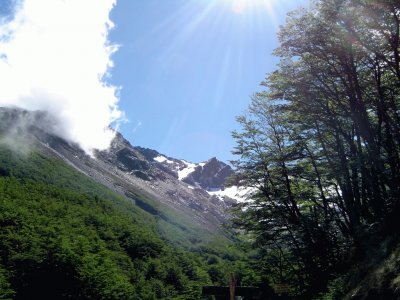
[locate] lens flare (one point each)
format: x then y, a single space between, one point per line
244 6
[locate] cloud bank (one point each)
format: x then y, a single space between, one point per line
55 56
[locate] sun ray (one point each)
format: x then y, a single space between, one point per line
239 6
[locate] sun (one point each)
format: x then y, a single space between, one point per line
245 6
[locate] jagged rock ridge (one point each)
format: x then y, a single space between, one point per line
129 170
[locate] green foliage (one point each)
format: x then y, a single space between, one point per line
66 237
321 145
336 290
6 291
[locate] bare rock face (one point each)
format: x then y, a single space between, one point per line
210 175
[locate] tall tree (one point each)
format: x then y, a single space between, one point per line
321 145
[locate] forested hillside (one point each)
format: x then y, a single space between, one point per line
64 236
321 146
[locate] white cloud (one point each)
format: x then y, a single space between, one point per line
54 56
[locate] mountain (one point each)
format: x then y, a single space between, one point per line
171 187
209 175
117 224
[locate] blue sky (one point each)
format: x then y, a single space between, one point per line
184 69
187 68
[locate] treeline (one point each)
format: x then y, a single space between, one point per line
65 237
321 145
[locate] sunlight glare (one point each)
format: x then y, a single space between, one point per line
243 6
238 6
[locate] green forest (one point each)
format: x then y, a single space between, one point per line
64 236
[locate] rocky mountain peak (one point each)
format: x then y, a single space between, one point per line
180 185
210 175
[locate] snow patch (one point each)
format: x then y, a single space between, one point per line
162 159
240 194
190 167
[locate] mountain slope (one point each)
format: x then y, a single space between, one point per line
129 171
65 236
58 243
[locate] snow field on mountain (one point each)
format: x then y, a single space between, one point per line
190 167
240 194
162 159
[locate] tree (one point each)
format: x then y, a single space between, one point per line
321 144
